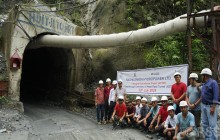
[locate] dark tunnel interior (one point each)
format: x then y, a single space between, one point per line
46 74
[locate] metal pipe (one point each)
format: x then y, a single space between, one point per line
115 40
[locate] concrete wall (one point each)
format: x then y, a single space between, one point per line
24 24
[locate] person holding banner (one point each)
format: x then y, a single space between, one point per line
120 91
178 91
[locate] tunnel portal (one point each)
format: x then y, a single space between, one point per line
46 74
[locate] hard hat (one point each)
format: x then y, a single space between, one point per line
206 71
153 99
176 73
121 97
108 80
138 98
170 108
100 82
163 98
114 82
119 81
193 75
144 99
183 103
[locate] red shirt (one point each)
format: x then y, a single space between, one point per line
178 89
107 92
163 113
120 109
99 95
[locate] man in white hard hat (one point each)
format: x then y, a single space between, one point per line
210 96
119 113
111 99
152 114
107 89
185 124
178 91
170 123
162 115
141 117
137 109
193 98
120 91
99 102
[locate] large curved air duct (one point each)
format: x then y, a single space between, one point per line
119 39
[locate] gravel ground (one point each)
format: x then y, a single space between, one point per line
47 121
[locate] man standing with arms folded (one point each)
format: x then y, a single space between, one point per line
99 102
210 94
107 89
178 91
193 98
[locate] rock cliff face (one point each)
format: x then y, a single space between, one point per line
106 17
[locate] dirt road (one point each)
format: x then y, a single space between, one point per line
52 123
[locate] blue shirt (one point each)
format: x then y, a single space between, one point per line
185 123
193 94
210 92
144 111
154 110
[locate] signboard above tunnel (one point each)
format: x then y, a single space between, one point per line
36 17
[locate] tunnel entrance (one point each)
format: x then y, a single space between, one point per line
46 74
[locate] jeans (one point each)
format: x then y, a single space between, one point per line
100 108
116 122
107 111
209 122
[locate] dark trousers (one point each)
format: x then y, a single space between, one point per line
117 123
100 110
107 111
131 121
197 115
177 109
111 107
172 132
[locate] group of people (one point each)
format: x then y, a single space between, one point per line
193 105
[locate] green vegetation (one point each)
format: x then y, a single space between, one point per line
173 49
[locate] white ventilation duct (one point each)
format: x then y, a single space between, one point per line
120 39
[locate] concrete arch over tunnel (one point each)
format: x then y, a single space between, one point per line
47 74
